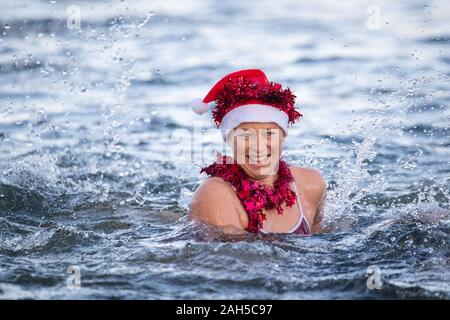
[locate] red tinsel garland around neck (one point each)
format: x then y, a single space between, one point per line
238 91
254 195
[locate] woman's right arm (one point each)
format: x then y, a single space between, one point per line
212 203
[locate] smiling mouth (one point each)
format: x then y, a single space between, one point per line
259 160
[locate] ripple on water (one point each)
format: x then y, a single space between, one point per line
86 178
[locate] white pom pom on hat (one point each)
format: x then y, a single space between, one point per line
200 107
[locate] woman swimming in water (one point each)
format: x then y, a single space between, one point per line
256 190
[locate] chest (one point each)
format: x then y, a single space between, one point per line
276 222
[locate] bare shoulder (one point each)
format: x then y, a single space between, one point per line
211 191
212 203
213 186
312 182
313 186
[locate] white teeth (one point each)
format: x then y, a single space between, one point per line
259 160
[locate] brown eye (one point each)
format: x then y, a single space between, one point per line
270 133
246 134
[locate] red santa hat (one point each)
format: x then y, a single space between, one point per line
248 96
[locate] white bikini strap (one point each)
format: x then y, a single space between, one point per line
298 201
302 217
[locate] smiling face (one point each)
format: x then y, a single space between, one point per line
257 147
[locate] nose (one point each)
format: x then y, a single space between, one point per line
259 147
